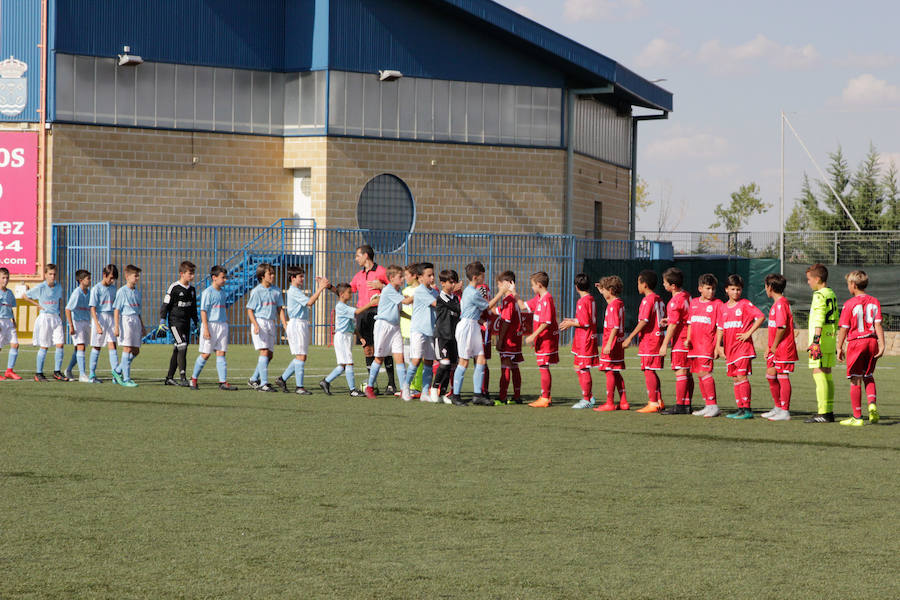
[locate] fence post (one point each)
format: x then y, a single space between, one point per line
215 246
835 247
490 268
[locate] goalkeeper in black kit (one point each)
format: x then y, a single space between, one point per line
178 313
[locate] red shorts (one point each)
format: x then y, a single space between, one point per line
515 357
652 362
680 360
548 358
701 364
861 357
609 364
586 362
780 367
740 367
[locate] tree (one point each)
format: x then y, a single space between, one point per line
891 193
744 204
642 194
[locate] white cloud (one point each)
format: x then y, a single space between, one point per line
602 10
730 59
868 61
660 52
683 143
869 91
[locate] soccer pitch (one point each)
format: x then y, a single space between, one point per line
159 492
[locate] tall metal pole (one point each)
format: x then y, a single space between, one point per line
781 219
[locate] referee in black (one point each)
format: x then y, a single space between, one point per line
179 310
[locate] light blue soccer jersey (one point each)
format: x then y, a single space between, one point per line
213 302
103 297
128 301
423 314
389 305
344 318
297 301
47 296
80 304
7 304
472 304
265 302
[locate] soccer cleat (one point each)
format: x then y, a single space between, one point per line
404 394
481 400
515 400
652 407
741 413
712 410
326 387
253 384
354 393
193 384
39 377
267 387
447 398
435 395
770 413
169 381
583 403
499 402
69 374
10 374
542 403
700 412
129 383
370 392
302 391
678 409
607 406
84 379
60 376
227 387
281 384
781 415
623 405
416 395
455 400
96 379
821 418
874 417
183 382
391 390
117 377
853 422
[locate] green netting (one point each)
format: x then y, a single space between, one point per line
884 284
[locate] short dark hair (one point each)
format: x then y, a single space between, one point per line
708 279
367 250
776 282
262 269
295 270
49 267
4 271
218 270
582 282
674 276
187 267
648 278
449 275
735 280
341 288
81 274
474 269
111 269
507 276
413 268
425 265
541 278
132 270
819 270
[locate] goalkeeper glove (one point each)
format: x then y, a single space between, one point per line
815 351
163 329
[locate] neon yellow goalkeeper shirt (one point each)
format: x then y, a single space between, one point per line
823 313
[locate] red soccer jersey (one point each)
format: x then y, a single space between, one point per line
508 312
584 342
488 326
614 319
859 315
781 317
678 312
544 311
653 312
703 320
733 321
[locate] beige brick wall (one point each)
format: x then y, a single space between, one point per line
597 181
147 176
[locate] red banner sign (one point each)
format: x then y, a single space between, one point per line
18 202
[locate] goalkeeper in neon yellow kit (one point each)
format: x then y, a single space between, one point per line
823 316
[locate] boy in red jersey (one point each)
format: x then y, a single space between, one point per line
677 314
651 321
508 326
738 321
545 333
612 355
584 342
860 326
701 341
781 353
487 330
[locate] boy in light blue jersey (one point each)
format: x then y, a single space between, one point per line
421 337
344 328
129 326
214 328
8 335
298 305
78 316
103 296
263 307
48 328
469 340
388 339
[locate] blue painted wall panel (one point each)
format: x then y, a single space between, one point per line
20 34
426 39
305 35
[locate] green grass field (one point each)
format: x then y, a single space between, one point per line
160 492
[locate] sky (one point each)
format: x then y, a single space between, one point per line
832 67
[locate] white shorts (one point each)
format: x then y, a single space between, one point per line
469 343
130 331
298 336
218 338
388 340
106 324
82 332
265 339
421 346
8 335
48 331
343 347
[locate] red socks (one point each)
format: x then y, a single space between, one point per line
504 382
546 381
653 392
784 382
870 388
741 393
615 382
775 389
516 381
584 378
681 389
856 399
708 389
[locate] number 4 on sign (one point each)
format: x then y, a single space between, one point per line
14 246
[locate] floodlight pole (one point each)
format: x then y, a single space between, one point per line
781 219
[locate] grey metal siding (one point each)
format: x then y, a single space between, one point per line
600 132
